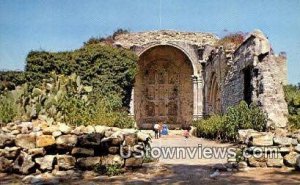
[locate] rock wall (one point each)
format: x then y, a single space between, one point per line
31 147
269 149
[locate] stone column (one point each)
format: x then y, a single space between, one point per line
197 97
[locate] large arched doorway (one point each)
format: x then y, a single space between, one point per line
163 90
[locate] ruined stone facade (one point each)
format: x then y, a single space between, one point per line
185 76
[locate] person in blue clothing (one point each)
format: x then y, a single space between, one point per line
165 129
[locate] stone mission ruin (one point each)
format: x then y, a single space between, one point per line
185 76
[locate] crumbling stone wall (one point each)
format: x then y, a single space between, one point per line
221 77
33 147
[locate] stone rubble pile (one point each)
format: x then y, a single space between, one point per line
269 149
30 147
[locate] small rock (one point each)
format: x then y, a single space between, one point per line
26 141
6 139
46 162
294 142
88 162
101 129
56 134
10 152
242 165
290 159
66 141
64 128
243 134
297 148
90 140
143 136
130 139
283 141
15 132
89 130
5 164
275 161
82 151
49 130
34 152
112 159
113 150
263 139
257 162
133 162
66 162
45 140
24 163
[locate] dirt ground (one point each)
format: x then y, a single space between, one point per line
179 171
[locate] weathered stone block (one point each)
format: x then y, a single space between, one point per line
88 162
24 163
66 162
297 148
64 128
290 159
133 162
66 141
26 141
112 159
113 150
130 139
284 141
6 139
45 140
90 140
46 162
263 139
5 164
49 130
10 152
37 152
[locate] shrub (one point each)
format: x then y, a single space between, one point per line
292 97
226 127
232 40
9 108
110 170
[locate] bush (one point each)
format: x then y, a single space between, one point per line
232 40
292 97
8 107
226 127
110 170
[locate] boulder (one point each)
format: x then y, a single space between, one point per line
262 139
66 141
112 159
24 163
6 139
82 151
283 141
133 162
45 140
5 164
46 162
26 141
88 162
66 162
89 129
34 152
64 128
290 159
15 132
10 152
